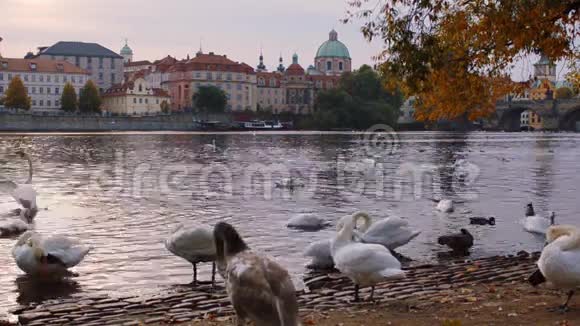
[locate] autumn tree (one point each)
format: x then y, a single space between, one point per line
456 56
68 99
16 96
564 93
90 100
165 107
210 99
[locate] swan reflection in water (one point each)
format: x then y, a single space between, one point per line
33 289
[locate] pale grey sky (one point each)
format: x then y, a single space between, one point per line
156 28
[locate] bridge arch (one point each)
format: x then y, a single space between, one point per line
570 121
510 118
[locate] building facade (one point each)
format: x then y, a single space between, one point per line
104 66
136 97
237 80
43 79
529 120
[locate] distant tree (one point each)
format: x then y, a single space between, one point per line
573 77
210 99
16 95
165 107
90 100
68 99
564 93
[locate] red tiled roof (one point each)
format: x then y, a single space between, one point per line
42 65
295 69
268 76
211 62
138 63
121 90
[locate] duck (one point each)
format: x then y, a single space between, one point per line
530 210
365 264
460 242
538 224
196 245
307 222
259 289
445 206
24 194
12 227
482 220
319 251
47 256
391 232
559 262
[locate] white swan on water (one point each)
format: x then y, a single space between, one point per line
194 244
364 263
391 232
54 255
559 262
12 227
210 147
445 206
539 224
24 194
319 251
259 289
308 222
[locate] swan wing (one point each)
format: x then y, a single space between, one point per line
12 227
67 251
391 232
536 224
365 258
25 194
560 267
191 242
318 249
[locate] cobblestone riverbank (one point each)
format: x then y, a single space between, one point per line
323 292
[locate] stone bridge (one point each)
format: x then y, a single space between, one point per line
558 114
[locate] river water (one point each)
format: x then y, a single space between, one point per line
123 194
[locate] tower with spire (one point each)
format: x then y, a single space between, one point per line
281 67
261 66
126 52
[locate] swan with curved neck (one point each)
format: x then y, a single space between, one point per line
391 232
24 194
259 289
559 262
365 264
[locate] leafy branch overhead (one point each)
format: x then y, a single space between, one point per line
455 56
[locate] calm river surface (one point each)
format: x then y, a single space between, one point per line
123 194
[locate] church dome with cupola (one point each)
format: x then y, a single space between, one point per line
126 52
333 57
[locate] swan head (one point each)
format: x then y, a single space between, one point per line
552 218
557 231
38 253
27 214
228 241
367 221
21 153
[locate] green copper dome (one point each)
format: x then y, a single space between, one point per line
333 48
126 50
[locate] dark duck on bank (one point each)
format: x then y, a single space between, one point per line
259 289
459 243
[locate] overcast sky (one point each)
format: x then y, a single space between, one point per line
238 28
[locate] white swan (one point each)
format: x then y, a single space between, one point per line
365 264
559 262
24 194
12 227
308 222
259 289
539 224
445 206
210 147
194 244
391 232
47 256
319 251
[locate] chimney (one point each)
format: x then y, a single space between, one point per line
211 53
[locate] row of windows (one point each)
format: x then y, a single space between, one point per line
269 101
262 82
41 103
40 90
269 91
219 76
99 60
329 66
113 76
146 100
48 78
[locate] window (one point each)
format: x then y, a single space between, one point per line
89 60
239 97
56 90
140 101
340 66
157 101
57 103
198 75
239 76
261 82
272 82
78 61
64 79
33 66
1 76
100 76
135 100
229 86
48 90
112 78
229 76
48 103
41 103
73 79
32 78
112 63
41 78
25 77
146 101
209 76
48 78
5 64
33 90
33 102
239 87
100 63
41 90
1 89
328 65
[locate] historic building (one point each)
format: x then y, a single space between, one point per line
126 52
135 97
44 79
105 66
237 80
332 57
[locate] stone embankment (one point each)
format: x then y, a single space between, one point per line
324 292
